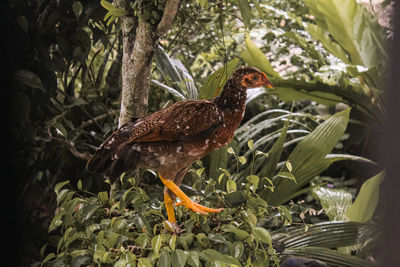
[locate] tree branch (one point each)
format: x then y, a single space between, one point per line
170 10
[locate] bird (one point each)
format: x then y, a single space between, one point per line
170 140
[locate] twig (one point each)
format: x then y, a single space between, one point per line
170 10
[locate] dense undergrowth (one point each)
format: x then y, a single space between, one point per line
290 182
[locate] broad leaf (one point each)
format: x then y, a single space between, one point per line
308 157
359 33
364 205
256 58
245 11
335 202
29 78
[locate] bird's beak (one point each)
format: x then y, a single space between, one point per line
267 83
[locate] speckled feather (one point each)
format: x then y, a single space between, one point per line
171 139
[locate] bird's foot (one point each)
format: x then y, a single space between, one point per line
196 207
173 227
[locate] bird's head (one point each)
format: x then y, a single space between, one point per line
250 77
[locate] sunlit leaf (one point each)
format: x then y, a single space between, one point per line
255 57
245 11
335 202
364 205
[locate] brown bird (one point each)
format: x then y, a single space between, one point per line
170 140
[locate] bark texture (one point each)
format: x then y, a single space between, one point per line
139 43
136 65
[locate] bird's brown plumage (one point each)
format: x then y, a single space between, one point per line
171 139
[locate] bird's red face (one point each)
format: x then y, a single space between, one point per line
256 79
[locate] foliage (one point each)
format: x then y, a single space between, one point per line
67 82
130 229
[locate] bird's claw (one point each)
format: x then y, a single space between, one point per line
173 227
196 207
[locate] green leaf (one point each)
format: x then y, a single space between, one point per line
215 83
115 11
217 160
240 234
274 154
176 75
193 259
81 260
79 185
179 258
179 96
262 234
242 160
285 213
288 166
60 185
253 179
172 242
212 255
156 244
238 249
330 45
286 175
335 234
329 256
120 263
235 199
308 157
353 28
203 3
60 129
245 11
77 8
288 94
88 211
335 202
165 259
144 262
230 186
364 205
28 78
250 144
256 58
49 257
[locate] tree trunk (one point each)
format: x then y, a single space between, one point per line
136 65
139 43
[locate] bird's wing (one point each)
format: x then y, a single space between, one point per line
181 121
103 155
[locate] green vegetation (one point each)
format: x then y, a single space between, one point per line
299 179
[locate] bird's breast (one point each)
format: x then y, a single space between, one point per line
226 130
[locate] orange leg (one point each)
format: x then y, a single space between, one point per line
170 208
186 201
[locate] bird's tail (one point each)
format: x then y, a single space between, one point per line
113 162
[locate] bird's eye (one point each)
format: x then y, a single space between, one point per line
255 78
247 80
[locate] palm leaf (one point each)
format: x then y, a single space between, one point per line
175 72
327 234
335 202
308 157
329 256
